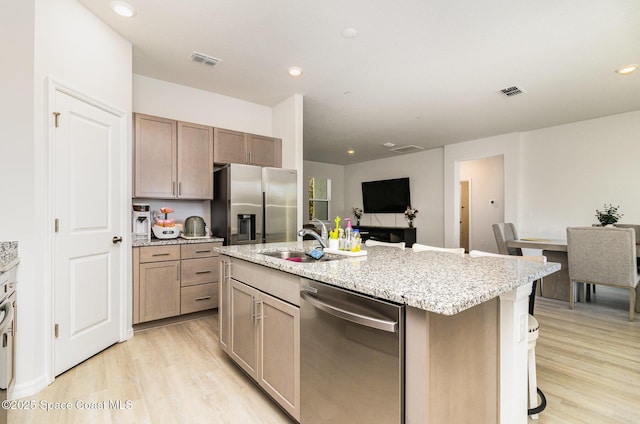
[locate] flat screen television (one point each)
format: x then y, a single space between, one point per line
386 196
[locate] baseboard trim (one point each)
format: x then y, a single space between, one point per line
29 388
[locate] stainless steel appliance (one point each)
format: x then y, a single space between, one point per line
194 227
351 357
254 204
7 329
141 222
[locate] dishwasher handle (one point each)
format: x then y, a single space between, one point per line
336 311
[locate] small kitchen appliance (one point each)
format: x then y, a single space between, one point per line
194 227
141 222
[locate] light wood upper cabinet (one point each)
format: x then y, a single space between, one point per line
155 166
264 151
173 160
238 147
195 161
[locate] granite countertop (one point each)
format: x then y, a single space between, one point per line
179 240
8 255
438 282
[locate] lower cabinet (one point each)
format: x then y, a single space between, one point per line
170 280
261 333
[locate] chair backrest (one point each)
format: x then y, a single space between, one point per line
423 247
634 226
399 245
602 255
504 232
540 258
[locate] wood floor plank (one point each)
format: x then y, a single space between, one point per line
588 362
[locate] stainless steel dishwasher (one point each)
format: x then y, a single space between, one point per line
351 357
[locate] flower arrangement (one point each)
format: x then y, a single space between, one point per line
166 222
357 212
410 213
609 215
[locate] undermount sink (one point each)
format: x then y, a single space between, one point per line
298 256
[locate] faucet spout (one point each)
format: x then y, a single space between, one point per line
307 232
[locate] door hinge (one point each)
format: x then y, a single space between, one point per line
57 225
55 330
57 119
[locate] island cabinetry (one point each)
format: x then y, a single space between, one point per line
172 159
170 280
250 149
260 327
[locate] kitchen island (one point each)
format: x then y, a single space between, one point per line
465 325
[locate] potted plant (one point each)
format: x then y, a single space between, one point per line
410 214
357 212
609 215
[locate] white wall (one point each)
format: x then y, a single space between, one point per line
486 200
425 172
569 171
335 173
58 39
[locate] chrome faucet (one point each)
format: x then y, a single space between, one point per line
306 231
325 233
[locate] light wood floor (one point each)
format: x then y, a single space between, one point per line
588 367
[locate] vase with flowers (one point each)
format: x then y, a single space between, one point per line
410 214
357 212
609 215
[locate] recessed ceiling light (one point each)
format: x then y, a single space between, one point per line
123 8
351 151
627 69
349 33
295 71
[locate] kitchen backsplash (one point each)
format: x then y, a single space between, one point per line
182 209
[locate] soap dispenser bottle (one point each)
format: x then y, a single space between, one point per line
348 235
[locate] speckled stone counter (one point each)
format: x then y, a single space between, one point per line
179 240
8 255
437 282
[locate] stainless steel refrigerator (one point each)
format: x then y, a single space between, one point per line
254 204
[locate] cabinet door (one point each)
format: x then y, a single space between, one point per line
229 146
155 157
279 369
264 151
244 334
159 290
195 161
224 303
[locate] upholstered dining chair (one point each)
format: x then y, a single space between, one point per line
504 232
532 335
636 227
400 245
423 247
603 255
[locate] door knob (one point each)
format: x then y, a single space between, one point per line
116 240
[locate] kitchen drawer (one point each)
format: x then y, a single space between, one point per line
199 271
159 253
198 298
199 250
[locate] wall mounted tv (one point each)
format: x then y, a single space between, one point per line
386 196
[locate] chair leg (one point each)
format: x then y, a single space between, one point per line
571 294
533 381
632 303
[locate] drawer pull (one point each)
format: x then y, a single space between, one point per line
203 298
203 251
203 272
160 254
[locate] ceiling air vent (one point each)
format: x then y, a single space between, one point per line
205 59
511 91
406 149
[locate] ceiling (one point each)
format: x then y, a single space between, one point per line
418 72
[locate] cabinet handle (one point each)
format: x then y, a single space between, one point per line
160 254
173 188
203 298
180 188
203 251
203 272
249 156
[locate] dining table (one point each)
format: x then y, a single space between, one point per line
558 284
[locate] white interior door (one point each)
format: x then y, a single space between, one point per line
87 206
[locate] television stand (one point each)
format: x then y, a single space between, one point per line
388 234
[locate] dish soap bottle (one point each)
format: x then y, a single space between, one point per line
348 235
